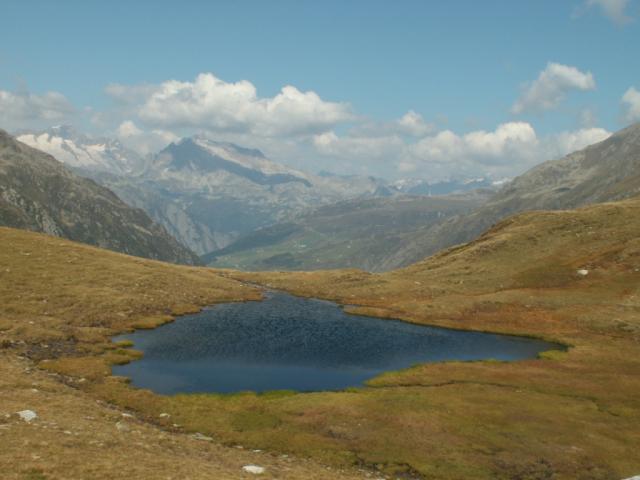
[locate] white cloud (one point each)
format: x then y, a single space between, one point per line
370 148
143 142
551 87
508 150
412 123
566 142
631 99
212 104
614 9
18 110
128 129
475 150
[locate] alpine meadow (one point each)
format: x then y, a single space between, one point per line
306 240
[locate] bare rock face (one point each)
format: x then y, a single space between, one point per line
39 193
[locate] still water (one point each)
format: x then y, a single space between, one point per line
291 343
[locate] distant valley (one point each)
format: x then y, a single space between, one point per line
384 234
359 233
208 194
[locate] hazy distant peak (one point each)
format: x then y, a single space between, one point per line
208 157
252 152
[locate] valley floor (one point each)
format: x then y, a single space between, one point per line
567 415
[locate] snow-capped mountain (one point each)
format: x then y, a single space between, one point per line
424 187
83 152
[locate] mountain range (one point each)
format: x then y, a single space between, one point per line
205 193
39 193
603 172
237 208
399 234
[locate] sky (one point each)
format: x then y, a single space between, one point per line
395 89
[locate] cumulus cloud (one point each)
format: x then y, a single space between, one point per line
631 101
144 142
371 148
474 150
613 9
128 129
412 123
551 87
19 110
212 104
566 142
508 150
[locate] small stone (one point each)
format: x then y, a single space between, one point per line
123 427
164 415
582 272
27 415
255 469
199 436
127 415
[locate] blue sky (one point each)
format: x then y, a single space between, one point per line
460 66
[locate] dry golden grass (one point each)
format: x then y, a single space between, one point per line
61 302
568 415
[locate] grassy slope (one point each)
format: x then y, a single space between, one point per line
571 415
566 416
60 303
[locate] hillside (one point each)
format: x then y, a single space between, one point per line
570 276
606 171
62 298
567 276
39 193
351 234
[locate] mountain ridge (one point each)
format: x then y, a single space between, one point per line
39 193
605 171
